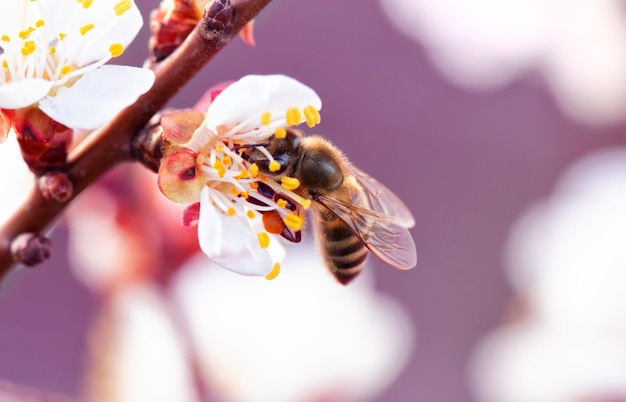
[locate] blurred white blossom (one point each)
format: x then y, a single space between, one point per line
567 262
16 179
300 337
579 47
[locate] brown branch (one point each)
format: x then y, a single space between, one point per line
110 145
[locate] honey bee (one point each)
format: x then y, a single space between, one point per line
354 213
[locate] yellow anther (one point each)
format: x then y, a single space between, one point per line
122 6
29 47
5 38
230 212
23 34
245 194
280 132
274 272
219 148
5 64
52 50
312 116
281 203
244 174
264 239
85 3
116 49
274 166
254 185
294 222
250 214
234 191
266 118
254 170
289 183
219 167
86 28
66 69
293 116
227 160
62 36
40 23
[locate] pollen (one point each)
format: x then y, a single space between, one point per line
280 132
29 47
231 211
116 49
227 160
281 203
312 116
85 3
234 191
86 28
40 23
5 64
274 166
66 69
254 170
293 116
245 194
52 50
219 167
264 239
290 183
254 185
274 272
244 174
250 214
266 118
62 36
121 7
294 222
5 38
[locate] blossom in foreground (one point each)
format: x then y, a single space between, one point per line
52 56
579 48
238 209
568 263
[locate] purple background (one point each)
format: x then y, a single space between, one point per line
467 164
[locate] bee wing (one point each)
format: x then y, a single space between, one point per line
382 200
381 234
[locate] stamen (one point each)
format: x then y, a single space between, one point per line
294 222
274 166
227 160
62 36
52 50
280 133
293 116
121 7
5 64
281 203
274 272
86 3
266 118
29 47
40 23
254 170
230 212
250 214
219 167
86 28
290 183
116 49
254 185
264 239
312 116
5 38
66 69
244 174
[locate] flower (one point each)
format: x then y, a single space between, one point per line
568 262
240 208
579 48
52 54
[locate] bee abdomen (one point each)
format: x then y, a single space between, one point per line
344 253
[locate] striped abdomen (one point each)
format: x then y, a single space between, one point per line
342 250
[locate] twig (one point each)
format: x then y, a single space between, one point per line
111 145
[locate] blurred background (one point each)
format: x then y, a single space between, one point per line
499 123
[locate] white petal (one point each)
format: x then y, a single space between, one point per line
108 28
254 95
97 96
19 94
229 241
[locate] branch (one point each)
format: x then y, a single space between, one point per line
110 145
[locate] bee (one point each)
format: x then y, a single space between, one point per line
354 213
